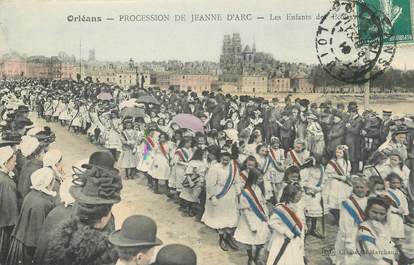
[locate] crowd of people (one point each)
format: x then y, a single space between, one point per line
263 174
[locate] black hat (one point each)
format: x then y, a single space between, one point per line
352 106
136 231
96 186
176 254
22 109
101 159
4 142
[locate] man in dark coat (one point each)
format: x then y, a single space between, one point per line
353 138
9 211
335 136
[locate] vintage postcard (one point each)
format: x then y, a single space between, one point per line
207 132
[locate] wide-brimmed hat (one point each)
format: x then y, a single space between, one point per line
136 231
101 159
97 187
176 254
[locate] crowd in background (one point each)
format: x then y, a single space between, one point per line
263 174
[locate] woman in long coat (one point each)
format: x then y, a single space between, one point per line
335 136
9 211
36 205
221 210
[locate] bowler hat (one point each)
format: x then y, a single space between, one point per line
101 159
176 254
136 231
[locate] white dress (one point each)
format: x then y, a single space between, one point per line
349 220
336 189
160 168
194 176
223 212
374 240
127 158
249 221
181 158
313 180
295 251
396 220
146 153
273 174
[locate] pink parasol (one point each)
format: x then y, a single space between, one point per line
189 121
104 96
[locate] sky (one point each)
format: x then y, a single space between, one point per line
42 28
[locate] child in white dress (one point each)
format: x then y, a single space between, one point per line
398 207
287 222
374 244
252 228
351 216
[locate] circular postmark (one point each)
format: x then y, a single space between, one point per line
352 42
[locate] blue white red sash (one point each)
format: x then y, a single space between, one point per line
295 159
393 198
271 160
289 218
254 203
365 235
148 146
233 171
353 208
183 154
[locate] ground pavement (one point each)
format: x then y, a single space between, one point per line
173 227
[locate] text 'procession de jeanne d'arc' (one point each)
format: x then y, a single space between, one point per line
232 17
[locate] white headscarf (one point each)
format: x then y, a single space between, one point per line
5 154
28 145
41 179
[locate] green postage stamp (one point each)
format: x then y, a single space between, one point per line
396 17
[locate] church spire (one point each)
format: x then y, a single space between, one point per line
254 45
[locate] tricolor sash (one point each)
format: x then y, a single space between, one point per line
243 175
183 154
295 159
393 198
271 160
289 218
148 146
164 151
365 235
233 171
353 208
254 203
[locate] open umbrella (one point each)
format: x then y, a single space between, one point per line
148 100
104 96
131 103
133 112
189 121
